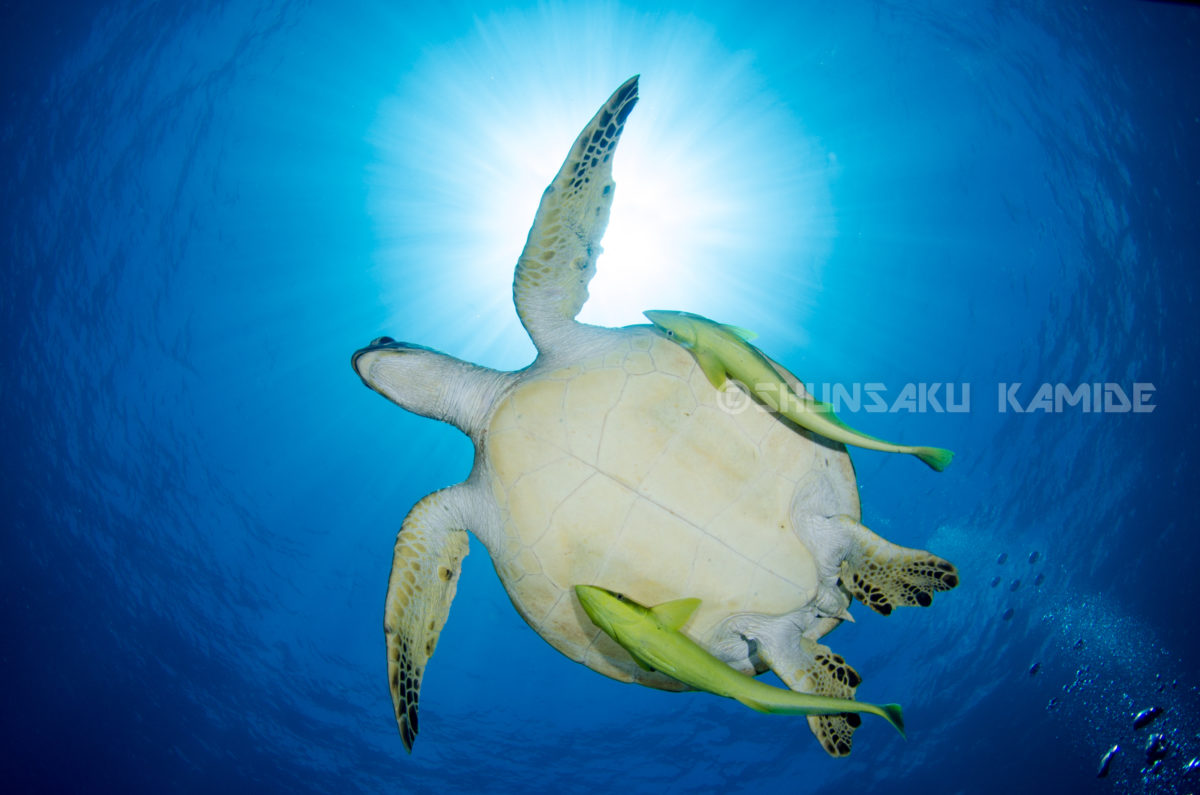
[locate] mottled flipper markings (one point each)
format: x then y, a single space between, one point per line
426 564
560 254
809 667
883 575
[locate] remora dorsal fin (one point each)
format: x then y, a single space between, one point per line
744 334
675 614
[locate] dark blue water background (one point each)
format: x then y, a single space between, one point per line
208 207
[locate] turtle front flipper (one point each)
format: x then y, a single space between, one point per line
426 564
809 667
560 254
883 575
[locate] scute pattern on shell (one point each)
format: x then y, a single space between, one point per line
623 469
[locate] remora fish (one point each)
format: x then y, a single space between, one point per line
652 636
725 351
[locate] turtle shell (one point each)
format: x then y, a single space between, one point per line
630 471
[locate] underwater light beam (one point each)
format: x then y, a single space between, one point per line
714 181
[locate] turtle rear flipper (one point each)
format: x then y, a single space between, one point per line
883 575
810 667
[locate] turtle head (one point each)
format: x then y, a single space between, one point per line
428 382
394 369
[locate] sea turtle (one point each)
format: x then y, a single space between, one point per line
611 460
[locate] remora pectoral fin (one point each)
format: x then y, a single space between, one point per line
640 663
713 368
675 614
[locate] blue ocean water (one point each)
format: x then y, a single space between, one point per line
208 207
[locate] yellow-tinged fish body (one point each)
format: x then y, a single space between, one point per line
725 352
653 638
